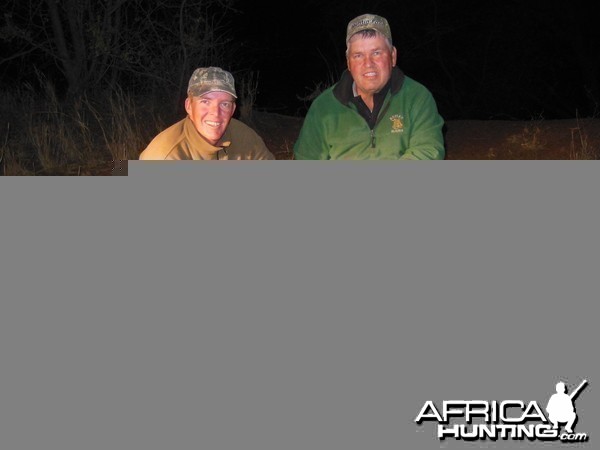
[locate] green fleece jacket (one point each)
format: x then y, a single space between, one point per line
408 126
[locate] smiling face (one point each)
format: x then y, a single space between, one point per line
211 114
370 60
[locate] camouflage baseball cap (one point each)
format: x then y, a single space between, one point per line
210 79
368 22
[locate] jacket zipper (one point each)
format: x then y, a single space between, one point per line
382 112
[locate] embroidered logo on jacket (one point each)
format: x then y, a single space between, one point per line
397 123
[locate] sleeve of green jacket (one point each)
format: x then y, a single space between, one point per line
426 138
311 143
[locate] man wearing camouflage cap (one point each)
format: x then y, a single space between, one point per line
209 132
374 111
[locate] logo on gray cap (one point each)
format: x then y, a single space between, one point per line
368 22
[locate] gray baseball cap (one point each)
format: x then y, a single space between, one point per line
211 79
368 22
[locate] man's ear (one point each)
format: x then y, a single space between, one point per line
394 55
188 105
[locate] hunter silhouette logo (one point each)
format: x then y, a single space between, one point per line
560 406
508 419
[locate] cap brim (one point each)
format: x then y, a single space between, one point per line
198 92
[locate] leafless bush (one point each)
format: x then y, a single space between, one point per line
247 91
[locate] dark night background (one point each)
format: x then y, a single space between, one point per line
481 60
510 59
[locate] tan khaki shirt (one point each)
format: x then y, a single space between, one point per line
182 141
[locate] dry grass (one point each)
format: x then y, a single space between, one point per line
49 136
532 139
581 149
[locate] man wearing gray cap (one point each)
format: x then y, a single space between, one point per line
374 111
209 132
